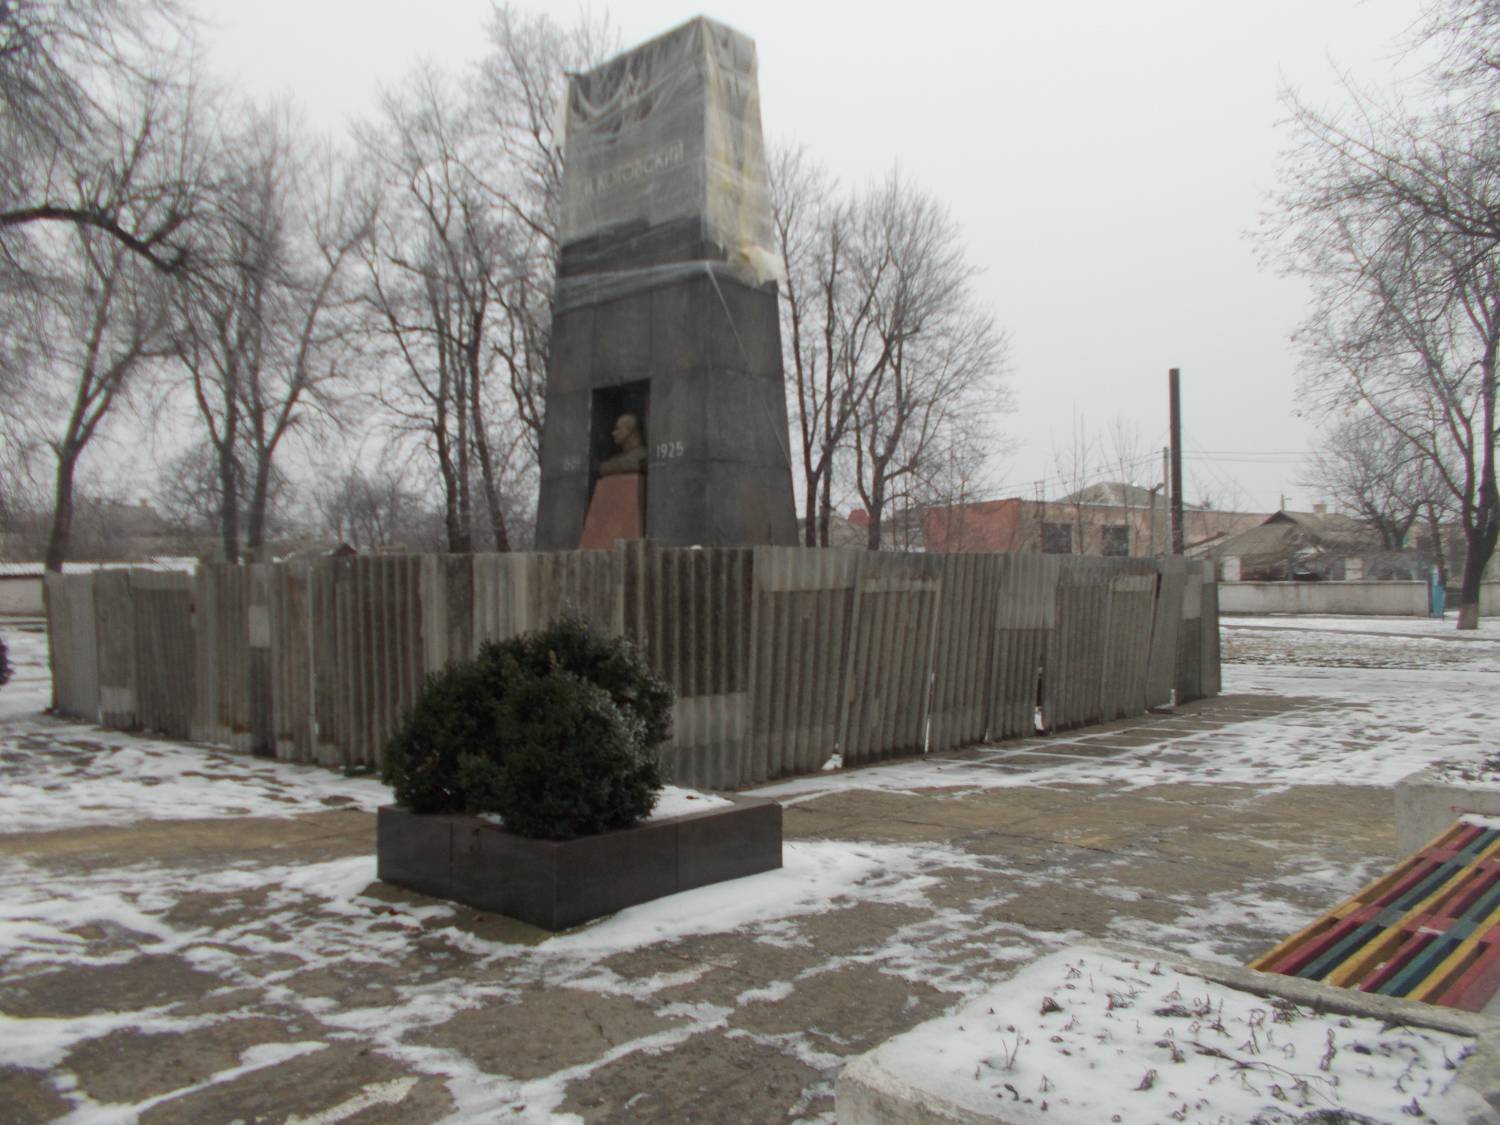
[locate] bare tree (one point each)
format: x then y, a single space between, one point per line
189 496
516 91
114 325
941 356
368 510
430 287
891 369
1370 471
1393 213
261 330
73 74
832 352
96 315
459 274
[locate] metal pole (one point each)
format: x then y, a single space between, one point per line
1166 499
1175 396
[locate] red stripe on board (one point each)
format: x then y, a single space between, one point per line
1474 987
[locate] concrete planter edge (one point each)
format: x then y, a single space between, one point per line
557 884
1428 802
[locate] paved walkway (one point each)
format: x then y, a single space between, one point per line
247 968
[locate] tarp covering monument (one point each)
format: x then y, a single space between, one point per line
665 318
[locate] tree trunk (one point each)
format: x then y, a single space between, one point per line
809 507
1477 552
62 512
825 507
229 505
255 534
876 512
1439 551
487 480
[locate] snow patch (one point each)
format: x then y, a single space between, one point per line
1089 1036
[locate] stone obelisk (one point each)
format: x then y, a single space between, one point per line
666 299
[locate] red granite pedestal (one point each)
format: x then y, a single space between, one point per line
617 510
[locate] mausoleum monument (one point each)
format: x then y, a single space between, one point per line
666 409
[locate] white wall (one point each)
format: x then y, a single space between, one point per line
1389 599
21 594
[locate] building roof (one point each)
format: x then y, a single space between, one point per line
1117 494
1289 535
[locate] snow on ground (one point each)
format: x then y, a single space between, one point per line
1446 626
1092 1036
339 929
30 687
1365 727
1303 722
1406 643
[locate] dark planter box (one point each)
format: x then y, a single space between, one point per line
556 884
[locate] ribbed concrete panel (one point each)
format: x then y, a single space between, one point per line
519 593
1025 628
258 616
162 603
1190 637
115 623
1073 690
292 663
1132 607
697 627
350 712
74 644
458 597
964 649
234 674
1161 676
382 651
890 655
779 656
1212 672
327 682
804 599
206 657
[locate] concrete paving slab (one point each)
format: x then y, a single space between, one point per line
756 1020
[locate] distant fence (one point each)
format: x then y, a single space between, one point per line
780 656
1369 598
1387 599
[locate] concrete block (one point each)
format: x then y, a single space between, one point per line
556 884
1428 801
879 1088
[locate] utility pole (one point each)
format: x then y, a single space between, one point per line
1174 395
1166 503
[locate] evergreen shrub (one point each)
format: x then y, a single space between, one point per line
556 731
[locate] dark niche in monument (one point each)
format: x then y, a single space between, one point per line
665 308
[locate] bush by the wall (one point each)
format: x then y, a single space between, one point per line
556 731
456 713
612 663
571 762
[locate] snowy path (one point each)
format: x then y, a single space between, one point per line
220 912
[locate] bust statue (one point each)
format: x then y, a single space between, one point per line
632 455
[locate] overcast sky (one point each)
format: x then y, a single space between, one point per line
1105 160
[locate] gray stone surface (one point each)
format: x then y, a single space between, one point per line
666 303
401 989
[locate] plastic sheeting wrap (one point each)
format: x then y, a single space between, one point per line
665 165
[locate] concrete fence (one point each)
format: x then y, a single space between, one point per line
1374 599
780 656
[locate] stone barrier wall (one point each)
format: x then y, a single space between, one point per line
780 656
